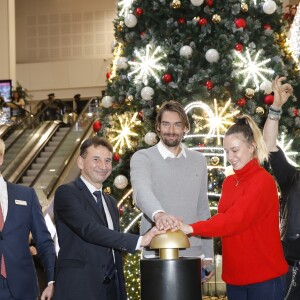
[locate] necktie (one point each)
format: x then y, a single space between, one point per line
111 269
98 195
3 269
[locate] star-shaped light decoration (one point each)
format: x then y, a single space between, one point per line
216 122
252 68
123 137
286 147
125 6
147 64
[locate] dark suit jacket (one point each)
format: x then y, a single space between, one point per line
86 243
24 216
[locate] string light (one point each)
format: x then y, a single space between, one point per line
146 64
118 50
252 68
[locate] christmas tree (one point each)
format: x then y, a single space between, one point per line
217 58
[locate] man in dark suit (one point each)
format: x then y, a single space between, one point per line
87 221
20 215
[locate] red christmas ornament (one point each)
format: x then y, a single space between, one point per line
269 99
239 47
202 22
97 125
295 112
142 34
267 27
209 84
201 146
138 11
121 211
116 157
240 23
141 115
181 21
241 102
167 78
209 2
108 74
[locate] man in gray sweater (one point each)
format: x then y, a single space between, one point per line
170 182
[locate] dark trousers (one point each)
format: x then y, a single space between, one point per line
5 293
293 290
273 289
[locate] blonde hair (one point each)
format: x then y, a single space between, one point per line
2 147
252 134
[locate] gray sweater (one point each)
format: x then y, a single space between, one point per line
177 186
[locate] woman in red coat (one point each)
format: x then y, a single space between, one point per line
247 220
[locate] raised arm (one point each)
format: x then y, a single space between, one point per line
281 94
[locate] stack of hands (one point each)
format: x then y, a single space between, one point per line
164 222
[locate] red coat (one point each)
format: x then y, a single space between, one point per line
248 223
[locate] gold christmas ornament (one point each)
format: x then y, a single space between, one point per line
128 101
260 111
107 190
216 18
215 160
120 26
244 7
249 93
175 4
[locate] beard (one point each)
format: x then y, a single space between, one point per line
171 140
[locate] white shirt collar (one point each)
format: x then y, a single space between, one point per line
90 187
164 152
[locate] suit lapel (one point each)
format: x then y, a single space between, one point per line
11 195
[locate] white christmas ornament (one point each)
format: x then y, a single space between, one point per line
122 63
107 101
212 55
130 20
269 7
186 51
121 182
197 2
150 138
147 93
266 86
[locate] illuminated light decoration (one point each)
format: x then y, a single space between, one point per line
125 133
294 40
286 149
118 50
147 64
125 6
124 197
217 122
133 222
252 68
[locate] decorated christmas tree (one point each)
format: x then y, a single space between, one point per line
217 58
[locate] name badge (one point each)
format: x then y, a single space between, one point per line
21 202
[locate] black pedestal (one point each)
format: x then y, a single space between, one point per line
176 279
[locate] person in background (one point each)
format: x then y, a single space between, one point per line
170 182
288 179
20 215
247 221
87 220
